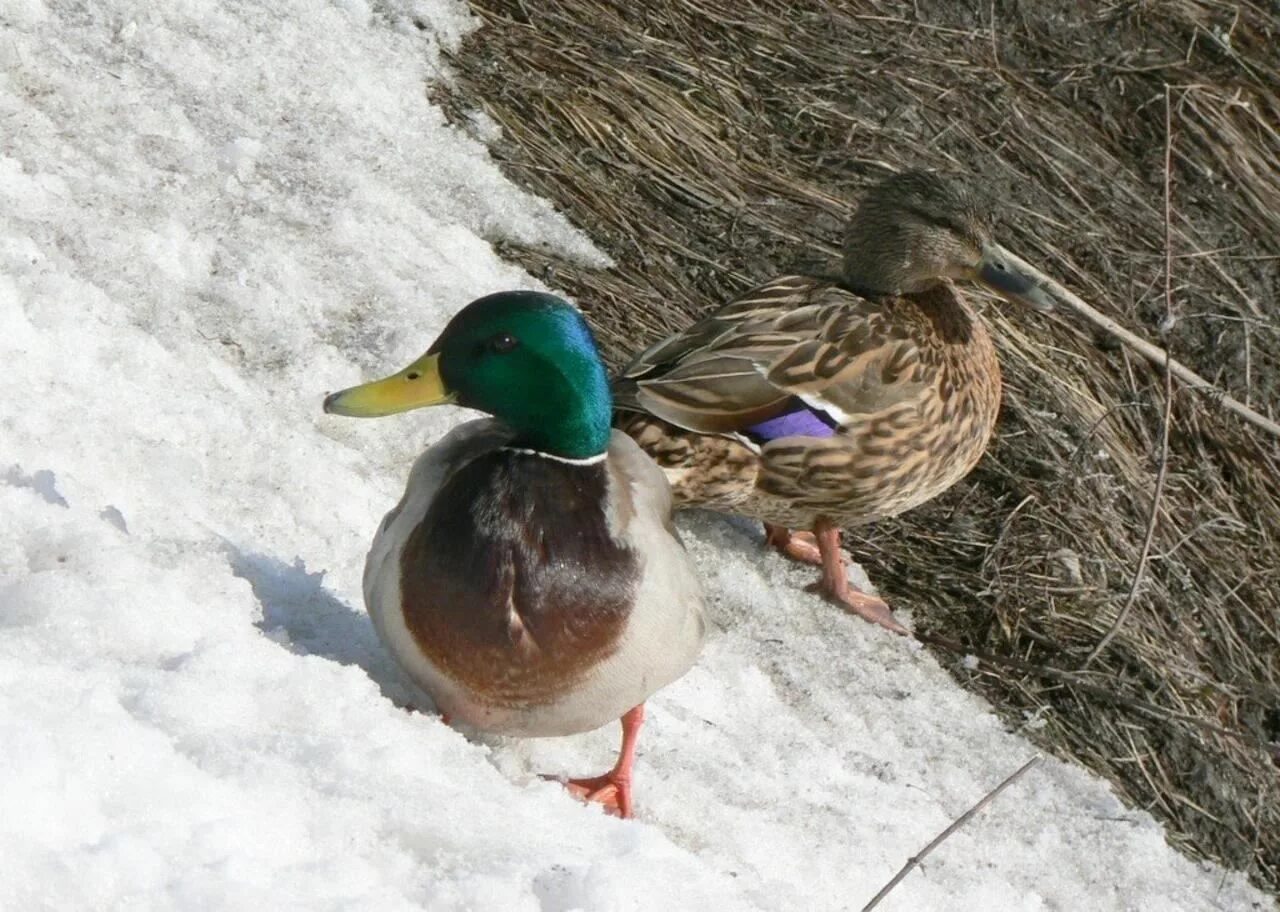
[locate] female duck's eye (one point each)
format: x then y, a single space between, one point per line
502 343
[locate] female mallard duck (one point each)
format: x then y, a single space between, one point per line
818 403
529 580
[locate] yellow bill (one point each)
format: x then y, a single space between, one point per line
417 386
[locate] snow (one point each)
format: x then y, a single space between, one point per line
211 214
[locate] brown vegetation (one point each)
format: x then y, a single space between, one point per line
709 145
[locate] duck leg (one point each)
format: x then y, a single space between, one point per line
799 546
613 789
834 583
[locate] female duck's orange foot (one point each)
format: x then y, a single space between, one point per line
799 546
834 583
868 607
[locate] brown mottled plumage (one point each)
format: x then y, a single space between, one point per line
889 354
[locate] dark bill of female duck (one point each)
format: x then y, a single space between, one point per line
417 386
1006 275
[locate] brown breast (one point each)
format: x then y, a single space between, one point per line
512 585
924 447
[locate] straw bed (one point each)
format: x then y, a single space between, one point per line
707 146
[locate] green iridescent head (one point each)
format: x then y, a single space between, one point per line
527 358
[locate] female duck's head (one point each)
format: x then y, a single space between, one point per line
916 228
525 357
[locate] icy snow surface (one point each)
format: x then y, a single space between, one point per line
210 214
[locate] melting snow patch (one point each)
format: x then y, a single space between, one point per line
211 214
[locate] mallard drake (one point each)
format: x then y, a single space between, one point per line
530 579
816 403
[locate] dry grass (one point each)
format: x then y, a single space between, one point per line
709 145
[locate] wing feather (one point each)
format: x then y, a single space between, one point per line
792 337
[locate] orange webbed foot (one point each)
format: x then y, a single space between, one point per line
870 608
613 789
610 790
834 584
801 547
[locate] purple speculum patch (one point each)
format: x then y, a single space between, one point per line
799 420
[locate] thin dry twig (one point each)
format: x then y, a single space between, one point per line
960 821
1166 324
1152 353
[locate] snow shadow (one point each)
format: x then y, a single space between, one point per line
42 481
306 618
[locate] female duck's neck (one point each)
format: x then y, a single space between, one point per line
946 308
875 275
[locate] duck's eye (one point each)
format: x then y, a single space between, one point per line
502 343
412 375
